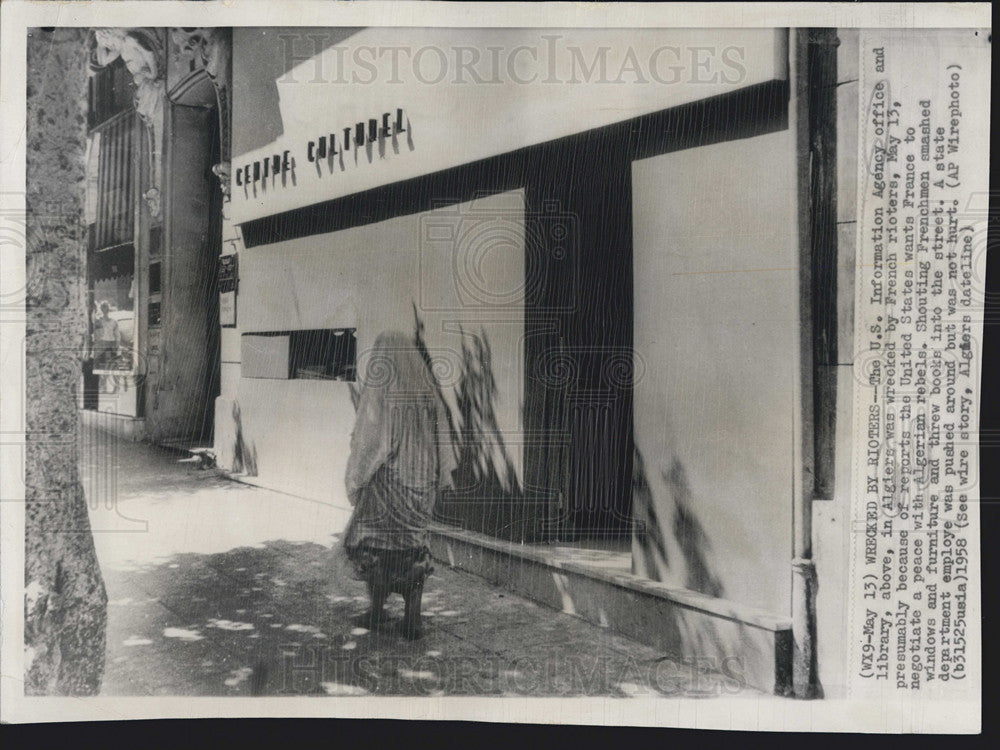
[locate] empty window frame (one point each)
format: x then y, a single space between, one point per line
323 354
318 354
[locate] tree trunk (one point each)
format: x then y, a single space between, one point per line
65 599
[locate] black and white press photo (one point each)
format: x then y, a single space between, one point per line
373 357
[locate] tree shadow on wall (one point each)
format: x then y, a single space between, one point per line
690 535
648 530
674 528
488 496
244 454
686 531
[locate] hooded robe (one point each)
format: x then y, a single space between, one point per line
401 450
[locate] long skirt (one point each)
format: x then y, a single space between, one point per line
387 536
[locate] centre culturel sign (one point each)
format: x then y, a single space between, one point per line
274 169
389 104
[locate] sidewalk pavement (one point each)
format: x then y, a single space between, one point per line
219 588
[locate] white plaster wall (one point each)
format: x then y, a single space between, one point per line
369 277
545 84
716 311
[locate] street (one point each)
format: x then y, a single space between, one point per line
220 588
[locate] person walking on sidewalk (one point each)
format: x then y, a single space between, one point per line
107 339
401 458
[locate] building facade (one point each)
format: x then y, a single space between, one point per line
154 223
627 256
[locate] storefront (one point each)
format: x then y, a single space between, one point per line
154 222
598 236
507 220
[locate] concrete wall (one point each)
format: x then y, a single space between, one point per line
716 316
294 435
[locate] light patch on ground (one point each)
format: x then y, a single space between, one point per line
126 568
337 688
350 646
410 674
135 640
311 629
238 676
120 602
359 631
183 634
32 593
229 624
434 654
631 689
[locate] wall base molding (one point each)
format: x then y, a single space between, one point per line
751 646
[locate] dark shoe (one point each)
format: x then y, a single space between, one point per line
411 631
413 595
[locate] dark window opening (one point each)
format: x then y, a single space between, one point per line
154 313
114 261
112 180
326 354
110 91
154 278
155 240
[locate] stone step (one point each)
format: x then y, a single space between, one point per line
724 636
